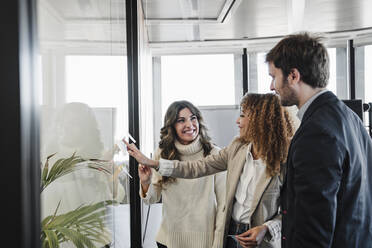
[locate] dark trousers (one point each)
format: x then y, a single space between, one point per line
160 245
235 228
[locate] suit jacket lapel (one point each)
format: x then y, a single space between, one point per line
261 186
318 102
236 170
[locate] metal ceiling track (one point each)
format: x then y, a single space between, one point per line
226 12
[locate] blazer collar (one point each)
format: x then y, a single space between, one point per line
325 98
237 169
318 102
263 181
261 186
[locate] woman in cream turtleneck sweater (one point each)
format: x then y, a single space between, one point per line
192 209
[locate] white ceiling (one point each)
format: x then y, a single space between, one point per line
183 23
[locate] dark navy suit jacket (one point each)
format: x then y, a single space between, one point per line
326 198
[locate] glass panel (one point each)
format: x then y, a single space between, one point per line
191 77
368 73
85 188
332 86
263 77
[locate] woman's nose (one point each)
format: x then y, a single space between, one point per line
188 123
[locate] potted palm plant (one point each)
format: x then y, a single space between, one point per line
84 226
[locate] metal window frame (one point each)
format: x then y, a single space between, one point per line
132 8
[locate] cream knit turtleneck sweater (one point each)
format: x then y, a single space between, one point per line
192 208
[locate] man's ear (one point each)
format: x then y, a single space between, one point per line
294 76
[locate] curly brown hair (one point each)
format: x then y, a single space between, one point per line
269 129
168 133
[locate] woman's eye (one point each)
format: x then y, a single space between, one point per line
180 121
193 118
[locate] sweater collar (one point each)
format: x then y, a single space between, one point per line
192 148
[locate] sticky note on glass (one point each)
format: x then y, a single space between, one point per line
122 145
131 138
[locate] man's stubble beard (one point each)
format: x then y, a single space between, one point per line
288 97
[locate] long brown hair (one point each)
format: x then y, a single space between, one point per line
269 129
168 133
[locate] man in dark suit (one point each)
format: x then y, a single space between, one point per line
327 194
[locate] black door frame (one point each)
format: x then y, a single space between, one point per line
133 117
20 180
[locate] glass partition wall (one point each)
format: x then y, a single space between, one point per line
85 184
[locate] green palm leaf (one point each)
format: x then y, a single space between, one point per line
65 166
52 238
72 235
82 226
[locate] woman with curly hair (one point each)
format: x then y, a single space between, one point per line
255 171
192 209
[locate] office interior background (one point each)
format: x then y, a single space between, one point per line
79 75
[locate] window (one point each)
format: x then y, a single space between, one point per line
83 114
332 86
263 77
368 73
100 82
200 79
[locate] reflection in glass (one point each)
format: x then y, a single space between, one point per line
84 191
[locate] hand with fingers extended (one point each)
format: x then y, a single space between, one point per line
139 156
253 237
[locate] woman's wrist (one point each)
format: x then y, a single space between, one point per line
154 164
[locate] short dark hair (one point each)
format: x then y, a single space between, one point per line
305 53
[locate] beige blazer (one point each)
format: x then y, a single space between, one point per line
266 196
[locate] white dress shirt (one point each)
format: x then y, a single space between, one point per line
252 171
302 110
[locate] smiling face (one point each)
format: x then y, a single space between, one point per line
186 126
242 122
281 86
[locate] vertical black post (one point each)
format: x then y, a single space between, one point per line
19 143
245 71
133 117
351 67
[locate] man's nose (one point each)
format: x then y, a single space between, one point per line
272 85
